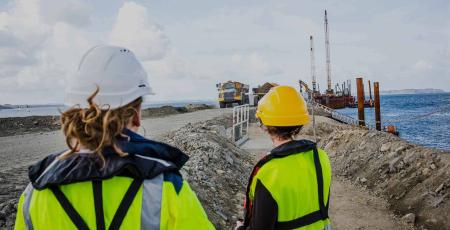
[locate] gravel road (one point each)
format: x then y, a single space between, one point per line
22 150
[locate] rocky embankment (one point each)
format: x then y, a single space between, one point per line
21 125
217 170
415 180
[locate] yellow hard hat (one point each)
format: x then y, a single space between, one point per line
282 106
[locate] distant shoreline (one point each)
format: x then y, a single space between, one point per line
10 126
412 91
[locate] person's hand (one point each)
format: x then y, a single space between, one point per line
238 225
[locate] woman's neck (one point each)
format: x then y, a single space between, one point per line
277 142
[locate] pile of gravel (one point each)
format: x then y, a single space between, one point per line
217 170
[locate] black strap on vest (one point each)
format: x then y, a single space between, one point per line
98 203
69 209
322 213
125 204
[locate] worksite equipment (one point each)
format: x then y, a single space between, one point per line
115 71
232 92
313 64
289 189
327 49
282 106
262 90
141 191
340 96
240 124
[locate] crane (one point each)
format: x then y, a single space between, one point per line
327 50
313 64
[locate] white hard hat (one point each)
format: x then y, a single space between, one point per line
115 70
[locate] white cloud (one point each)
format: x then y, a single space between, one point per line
422 66
135 30
73 12
40 48
41 42
253 64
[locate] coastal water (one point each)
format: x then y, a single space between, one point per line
54 110
420 118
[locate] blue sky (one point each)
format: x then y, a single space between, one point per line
188 46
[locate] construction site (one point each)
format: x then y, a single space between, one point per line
379 181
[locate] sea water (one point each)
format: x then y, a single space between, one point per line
55 110
423 119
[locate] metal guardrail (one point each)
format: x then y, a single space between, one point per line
339 116
241 119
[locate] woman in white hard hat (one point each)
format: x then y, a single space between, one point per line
110 177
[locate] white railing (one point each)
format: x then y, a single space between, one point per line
240 124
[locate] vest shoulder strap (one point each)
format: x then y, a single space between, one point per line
120 214
69 209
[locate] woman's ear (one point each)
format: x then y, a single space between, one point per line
136 120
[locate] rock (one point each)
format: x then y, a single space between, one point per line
393 163
425 171
223 216
219 171
433 166
439 188
363 180
385 147
409 218
399 149
392 154
229 159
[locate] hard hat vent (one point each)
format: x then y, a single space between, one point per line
124 50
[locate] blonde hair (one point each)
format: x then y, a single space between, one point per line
95 128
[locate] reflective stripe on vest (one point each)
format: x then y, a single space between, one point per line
28 193
151 203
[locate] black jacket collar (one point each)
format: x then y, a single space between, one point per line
146 160
292 147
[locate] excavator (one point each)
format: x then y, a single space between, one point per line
231 93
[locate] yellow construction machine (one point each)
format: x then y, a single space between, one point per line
231 93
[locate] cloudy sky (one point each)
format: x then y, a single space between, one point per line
189 46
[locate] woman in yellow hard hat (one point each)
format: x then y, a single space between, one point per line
288 188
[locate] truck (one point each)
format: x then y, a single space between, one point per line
231 93
262 90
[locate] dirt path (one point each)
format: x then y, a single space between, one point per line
351 207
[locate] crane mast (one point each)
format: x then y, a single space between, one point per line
313 64
327 49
